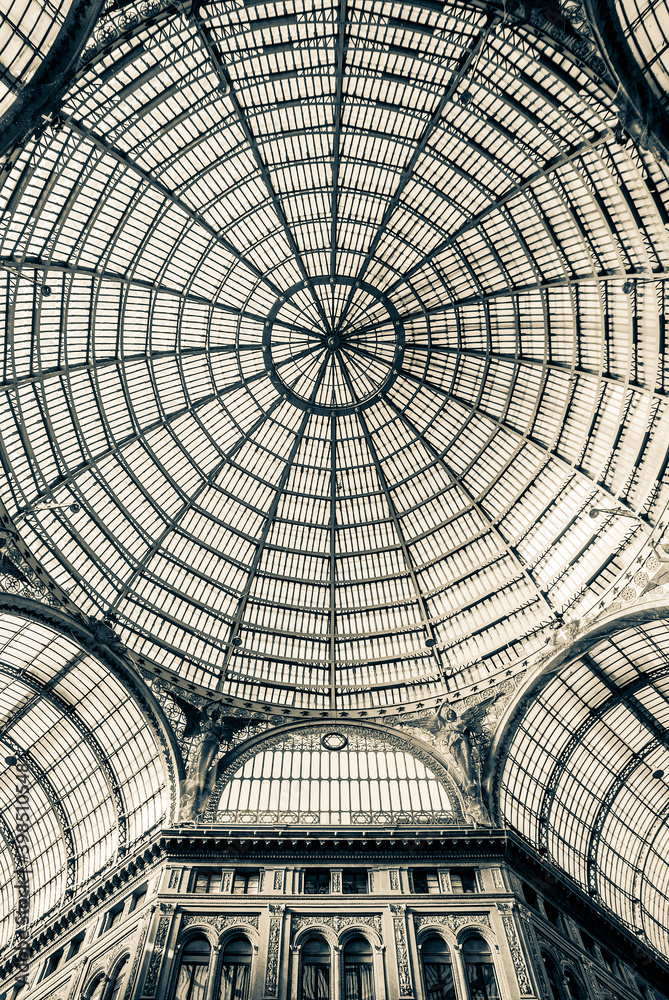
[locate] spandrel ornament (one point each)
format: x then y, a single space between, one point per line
212 732
458 736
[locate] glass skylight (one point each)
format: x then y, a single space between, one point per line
335 353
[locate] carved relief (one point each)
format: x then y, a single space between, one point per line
220 921
336 881
226 881
402 951
273 950
371 881
497 879
156 958
453 921
394 879
522 975
174 878
445 881
278 880
139 950
336 922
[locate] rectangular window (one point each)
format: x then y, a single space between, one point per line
246 883
354 881
204 881
138 899
75 945
317 881
52 963
425 880
464 880
113 917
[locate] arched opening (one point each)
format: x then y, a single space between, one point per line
437 969
551 976
193 970
315 969
358 970
575 988
118 981
95 989
479 969
236 971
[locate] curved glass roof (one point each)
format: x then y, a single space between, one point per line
585 775
95 774
336 353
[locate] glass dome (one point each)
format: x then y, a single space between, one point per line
316 346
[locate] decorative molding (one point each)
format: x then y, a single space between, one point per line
336 922
139 951
519 964
394 879
221 920
402 950
278 880
174 878
336 882
497 878
370 876
274 943
453 921
157 956
445 881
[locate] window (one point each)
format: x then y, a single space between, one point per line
246 883
317 881
531 897
575 989
437 970
552 914
464 880
354 881
96 989
589 944
610 962
193 970
113 917
138 899
75 945
236 973
551 976
425 880
117 981
315 970
358 970
204 881
479 969
52 963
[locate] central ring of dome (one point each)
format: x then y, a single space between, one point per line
333 345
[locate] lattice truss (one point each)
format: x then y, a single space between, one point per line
585 776
335 354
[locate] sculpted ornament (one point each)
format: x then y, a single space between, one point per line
459 735
522 975
213 731
220 921
336 922
451 920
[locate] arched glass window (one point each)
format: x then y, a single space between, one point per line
95 990
480 969
358 970
437 970
316 970
236 973
575 989
193 970
118 981
551 976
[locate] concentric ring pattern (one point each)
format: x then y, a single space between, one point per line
378 519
